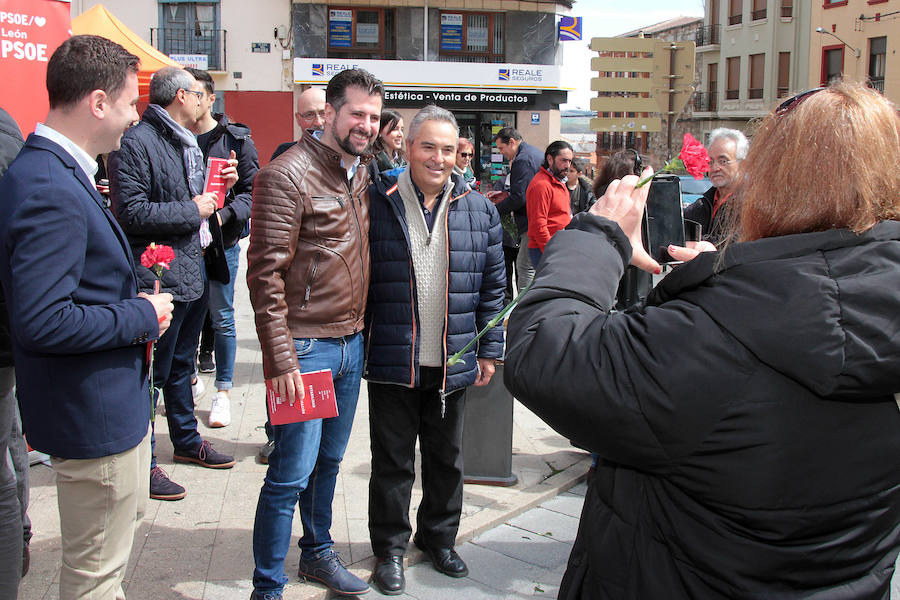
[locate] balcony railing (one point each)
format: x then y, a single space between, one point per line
755 93
758 15
183 40
732 94
705 101
708 35
736 19
876 84
783 91
787 11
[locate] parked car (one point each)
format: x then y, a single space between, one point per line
692 189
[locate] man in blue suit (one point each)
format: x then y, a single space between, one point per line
79 327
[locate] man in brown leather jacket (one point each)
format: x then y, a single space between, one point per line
308 274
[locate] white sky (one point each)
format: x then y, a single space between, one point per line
608 18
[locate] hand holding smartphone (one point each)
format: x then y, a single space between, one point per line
663 217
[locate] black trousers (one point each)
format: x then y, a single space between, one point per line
397 416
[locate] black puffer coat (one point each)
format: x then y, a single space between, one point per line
475 283
745 417
153 203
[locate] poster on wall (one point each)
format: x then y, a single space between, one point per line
30 30
340 24
451 31
367 33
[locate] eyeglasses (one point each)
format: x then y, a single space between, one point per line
792 103
312 114
467 154
198 94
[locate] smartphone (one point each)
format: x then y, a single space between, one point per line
663 217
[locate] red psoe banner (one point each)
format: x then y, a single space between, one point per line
30 30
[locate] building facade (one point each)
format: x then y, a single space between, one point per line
654 146
494 63
750 53
245 47
858 40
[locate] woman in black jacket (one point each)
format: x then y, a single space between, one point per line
746 414
388 146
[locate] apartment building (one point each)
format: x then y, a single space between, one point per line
750 54
654 146
857 40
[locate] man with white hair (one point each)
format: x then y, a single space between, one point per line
156 182
727 148
437 278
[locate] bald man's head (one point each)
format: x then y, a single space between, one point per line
311 109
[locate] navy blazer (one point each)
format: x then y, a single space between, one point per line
79 331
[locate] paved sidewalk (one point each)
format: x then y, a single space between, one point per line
523 558
200 547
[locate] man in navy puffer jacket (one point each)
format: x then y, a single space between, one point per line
437 278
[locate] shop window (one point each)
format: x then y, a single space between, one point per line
362 33
784 74
191 28
877 56
832 63
735 12
472 37
733 74
759 10
757 76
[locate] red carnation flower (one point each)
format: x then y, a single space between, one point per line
694 156
157 257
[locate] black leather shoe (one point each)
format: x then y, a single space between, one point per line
445 560
388 575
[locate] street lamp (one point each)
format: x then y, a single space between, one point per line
855 50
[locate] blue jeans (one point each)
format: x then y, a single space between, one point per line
221 314
534 255
304 465
173 367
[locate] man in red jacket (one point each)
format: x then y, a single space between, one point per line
547 198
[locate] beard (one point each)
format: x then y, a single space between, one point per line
559 173
347 146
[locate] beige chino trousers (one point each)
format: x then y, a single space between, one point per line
101 502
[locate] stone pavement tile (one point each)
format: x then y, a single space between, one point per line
547 523
241 496
424 583
227 590
358 532
197 480
498 571
579 490
525 546
567 504
232 555
171 573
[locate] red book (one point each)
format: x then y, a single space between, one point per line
318 403
214 181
